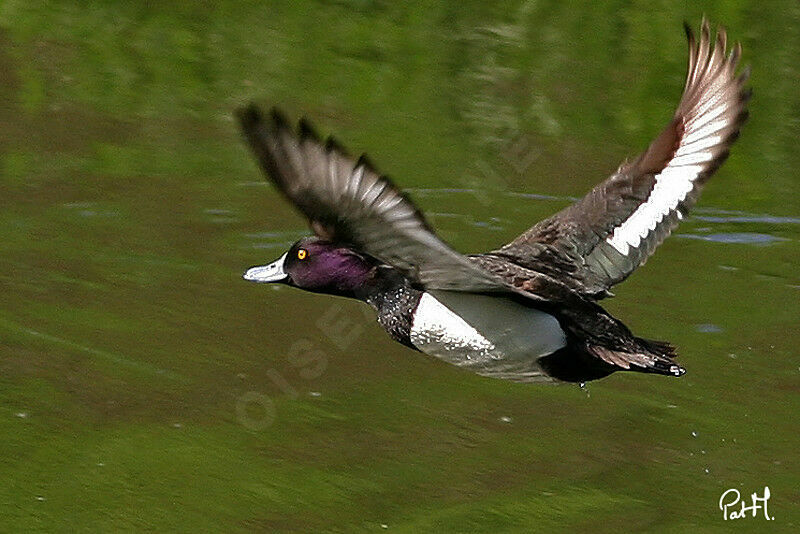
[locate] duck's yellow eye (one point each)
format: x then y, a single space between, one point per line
301 254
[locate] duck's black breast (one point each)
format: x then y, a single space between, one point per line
394 299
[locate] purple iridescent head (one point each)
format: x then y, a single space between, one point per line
317 265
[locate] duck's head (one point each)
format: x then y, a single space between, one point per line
320 266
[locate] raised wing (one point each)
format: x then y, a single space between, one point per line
598 241
346 200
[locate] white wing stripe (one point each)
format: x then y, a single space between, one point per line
710 113
671 187
701 134
706 117
700 144
689 159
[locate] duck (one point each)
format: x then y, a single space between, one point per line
528 310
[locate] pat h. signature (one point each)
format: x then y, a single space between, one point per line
734 507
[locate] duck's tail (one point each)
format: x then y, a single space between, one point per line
644 356
598 341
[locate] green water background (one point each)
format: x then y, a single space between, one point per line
145 387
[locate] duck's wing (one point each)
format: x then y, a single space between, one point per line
346 200
598 241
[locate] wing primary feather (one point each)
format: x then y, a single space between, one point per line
307 130
348 201
618 225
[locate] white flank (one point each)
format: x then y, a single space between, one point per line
436 328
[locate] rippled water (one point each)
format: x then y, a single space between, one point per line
145 386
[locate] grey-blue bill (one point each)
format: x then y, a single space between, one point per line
273 272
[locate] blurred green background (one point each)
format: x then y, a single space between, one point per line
145 387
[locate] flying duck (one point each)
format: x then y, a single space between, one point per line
528 310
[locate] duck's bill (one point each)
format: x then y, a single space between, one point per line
267 273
